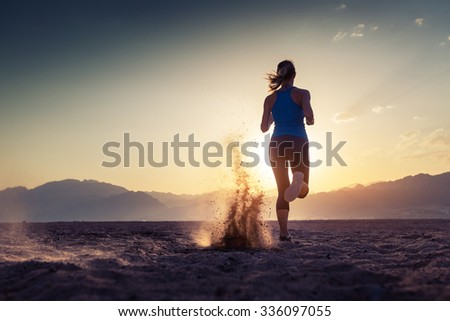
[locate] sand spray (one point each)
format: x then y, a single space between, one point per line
240 223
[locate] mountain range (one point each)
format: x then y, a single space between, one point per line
420 196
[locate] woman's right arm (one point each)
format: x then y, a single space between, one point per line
267 118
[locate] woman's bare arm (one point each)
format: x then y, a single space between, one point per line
267 118
307 109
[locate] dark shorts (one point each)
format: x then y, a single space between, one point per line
286 152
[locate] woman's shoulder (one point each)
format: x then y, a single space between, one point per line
301 91
299 95
271 97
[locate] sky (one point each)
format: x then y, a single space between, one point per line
77 75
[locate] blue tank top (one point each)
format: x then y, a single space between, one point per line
288 116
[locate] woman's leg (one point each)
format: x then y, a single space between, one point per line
280 169
282 217
300 163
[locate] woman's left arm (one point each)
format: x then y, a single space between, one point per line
307 109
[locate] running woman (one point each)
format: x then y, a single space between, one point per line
287 106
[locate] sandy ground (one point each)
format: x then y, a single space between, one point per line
328 260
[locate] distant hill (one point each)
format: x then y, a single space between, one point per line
69 187
172 200
202 207
73 200
419 196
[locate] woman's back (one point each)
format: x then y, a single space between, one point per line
288 115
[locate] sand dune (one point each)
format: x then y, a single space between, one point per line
329 260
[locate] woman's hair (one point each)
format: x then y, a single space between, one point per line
285 71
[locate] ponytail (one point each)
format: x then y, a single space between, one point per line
285 71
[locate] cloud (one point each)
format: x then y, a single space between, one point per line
340 35
417 118
342 6
358 31
408 138
433 146
352 113
419 21
344 117
379 109
438 138
410 134
444 43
